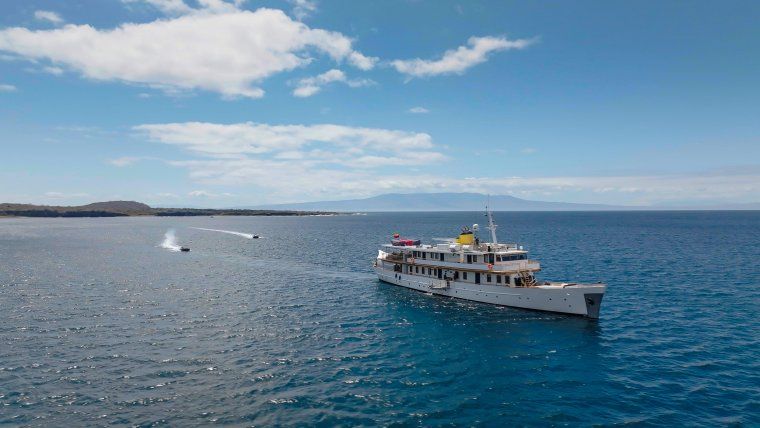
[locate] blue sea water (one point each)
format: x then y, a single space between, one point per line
99 325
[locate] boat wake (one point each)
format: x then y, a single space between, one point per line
231 232
170 241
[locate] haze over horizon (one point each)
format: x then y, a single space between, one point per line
215 103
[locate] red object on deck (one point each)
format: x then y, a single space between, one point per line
405 242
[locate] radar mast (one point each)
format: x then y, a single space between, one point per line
491 225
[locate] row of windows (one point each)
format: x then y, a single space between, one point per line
510 257
423 255
471 258
489 278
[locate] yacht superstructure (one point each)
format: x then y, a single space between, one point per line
487 272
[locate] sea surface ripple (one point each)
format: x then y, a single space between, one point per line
103 326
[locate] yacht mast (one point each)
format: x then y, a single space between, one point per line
491 225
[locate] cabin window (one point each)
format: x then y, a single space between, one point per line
523 257
518 281
498 279
488 278
464 275
423 255
469 258
416 269
441 256
498 258
430 271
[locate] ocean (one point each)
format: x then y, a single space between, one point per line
101 324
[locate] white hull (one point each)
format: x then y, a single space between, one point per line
581 299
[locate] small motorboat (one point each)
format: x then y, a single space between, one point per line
184 249
255 236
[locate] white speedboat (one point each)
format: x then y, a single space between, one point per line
488 272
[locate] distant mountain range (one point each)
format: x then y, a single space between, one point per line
471 202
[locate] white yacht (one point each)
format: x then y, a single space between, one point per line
487 272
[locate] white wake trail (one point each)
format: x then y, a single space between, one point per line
170 241
231 232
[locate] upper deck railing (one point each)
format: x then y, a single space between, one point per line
508 266
458 248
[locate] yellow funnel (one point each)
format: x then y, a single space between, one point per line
466 238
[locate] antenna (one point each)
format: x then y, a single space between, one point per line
491 225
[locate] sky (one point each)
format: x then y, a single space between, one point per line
220 103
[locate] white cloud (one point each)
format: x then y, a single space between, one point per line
300 157
303 8
457 61
418 110
169 7
125 160
56 71
217 48
4 87
180 7
528 151
207 194
327 140
311 85
46 15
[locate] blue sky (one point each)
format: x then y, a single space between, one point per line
229 103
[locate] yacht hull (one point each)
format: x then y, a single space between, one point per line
581 299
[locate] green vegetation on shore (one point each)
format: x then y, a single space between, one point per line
131 208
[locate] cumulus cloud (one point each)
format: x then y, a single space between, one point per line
303 8
46 15
457 61
216 47
4 87
311 85
418 110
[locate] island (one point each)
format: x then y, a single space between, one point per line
132 208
